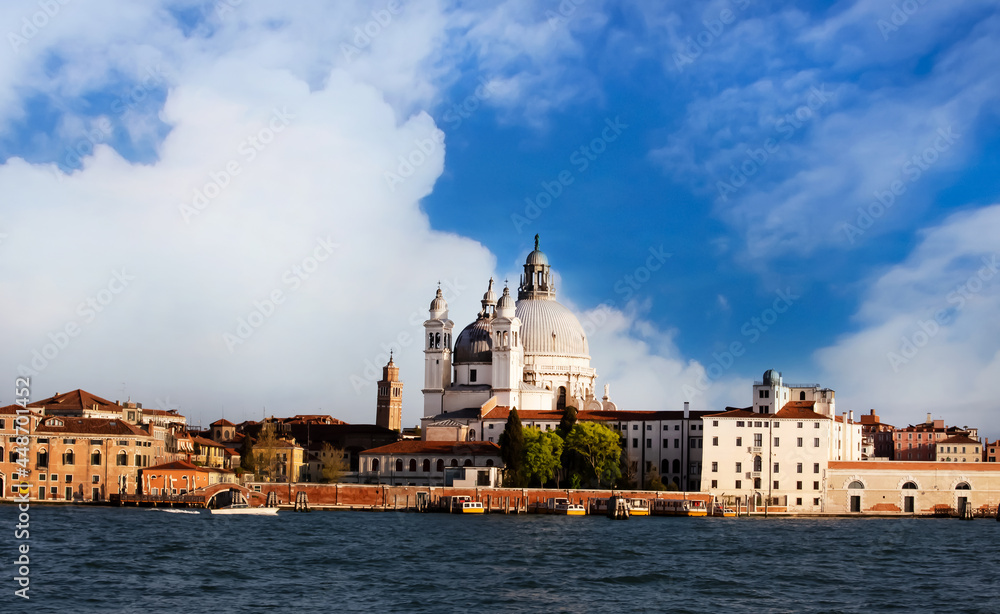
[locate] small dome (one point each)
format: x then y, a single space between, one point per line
506 307
537 257
771 377
490 297
439 304
473 343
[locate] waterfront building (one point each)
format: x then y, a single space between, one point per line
990 451
531 353
910 487
876 437
918 442
180 477
424 463
776 452
389 402
957 449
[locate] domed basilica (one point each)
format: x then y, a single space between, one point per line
530 353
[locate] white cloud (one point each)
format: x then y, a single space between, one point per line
927 333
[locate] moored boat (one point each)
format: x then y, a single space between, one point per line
244 509
472 507
638 507
679 507
563 507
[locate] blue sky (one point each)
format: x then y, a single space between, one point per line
753 146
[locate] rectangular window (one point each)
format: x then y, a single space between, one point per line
69 492
816 442
691 443
798 441
649 443
677 443
776 468
490 427
798 486
635 442
816 425
776 424
715 483
666 443
815 467
54 477
715 466
777 440
798 467
472 375
677 427
739 467
816 501
739 423
739 484
798 500
815 485
635 427
739 442
715 423
649 427
776 485
758 439
798 425
96 479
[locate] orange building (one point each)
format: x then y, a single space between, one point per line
180 477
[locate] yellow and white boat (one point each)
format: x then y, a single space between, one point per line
638 507
680 507
563 507
472 507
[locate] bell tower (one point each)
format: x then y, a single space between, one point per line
437 355
508 353
389 403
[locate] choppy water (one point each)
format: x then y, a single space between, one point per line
137 560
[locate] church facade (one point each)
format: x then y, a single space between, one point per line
530 353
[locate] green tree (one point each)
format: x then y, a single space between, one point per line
569 463
542 454
512 450
599 449
246 453
334 465
266 452
653 481
566 422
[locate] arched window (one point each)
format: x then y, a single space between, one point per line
756 483
437 340
963 486
413 465
374 465
802 395
95 457
468 462
68 458
489 462
138 460
430 341
399 465
910 486
677 466
472 434
757 464
42 459
454 462
440 466
122 459
561 401
427 465
855 485
665 466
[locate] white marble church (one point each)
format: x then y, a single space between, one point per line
529 354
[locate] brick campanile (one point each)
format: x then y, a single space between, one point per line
389 405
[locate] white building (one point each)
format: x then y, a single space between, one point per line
531 353
777 452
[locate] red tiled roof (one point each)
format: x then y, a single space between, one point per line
529 415
222 422
13 409
76 399
454 448
957 439
206 442
177 464
801 410
89 426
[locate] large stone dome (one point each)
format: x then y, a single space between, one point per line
473 343
547 327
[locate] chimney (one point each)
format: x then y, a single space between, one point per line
852 415
929 418
687 410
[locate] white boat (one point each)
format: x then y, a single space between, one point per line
244 509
